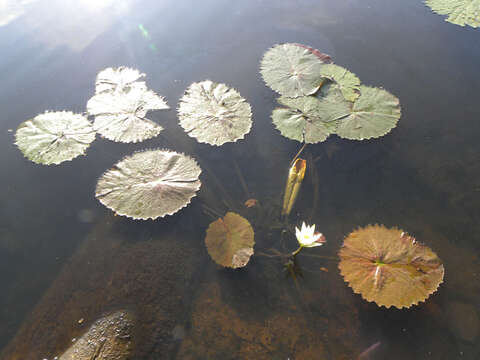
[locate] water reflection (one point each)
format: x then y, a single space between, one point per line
71 23
12 9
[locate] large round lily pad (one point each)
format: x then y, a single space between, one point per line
149 184
459 12
230 240
389 267
120 106
292 70
54 137
373 115
310 119
214 113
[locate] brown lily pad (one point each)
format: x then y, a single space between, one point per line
389 267
230 240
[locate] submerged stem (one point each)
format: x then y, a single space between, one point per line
298 154
297 251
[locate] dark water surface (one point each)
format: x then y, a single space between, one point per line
64 257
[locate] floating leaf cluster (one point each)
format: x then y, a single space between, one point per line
319 98
389 267
120 106
459 12
146 185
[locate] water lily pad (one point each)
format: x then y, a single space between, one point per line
120 106
54 137
230 240
460 12
292 70
310 119
389 267
347 81
373 115
149 184
214 113
117 79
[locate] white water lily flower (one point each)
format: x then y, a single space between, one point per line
307 237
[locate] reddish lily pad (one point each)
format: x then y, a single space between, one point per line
230 241
389 267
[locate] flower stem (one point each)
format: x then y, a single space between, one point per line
297 251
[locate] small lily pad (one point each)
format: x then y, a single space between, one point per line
54 137
149 184
389 267
347 81
117 79
310 119
459 12
373 115
121 104
292 70
214 113
230 241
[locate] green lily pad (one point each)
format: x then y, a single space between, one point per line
389 267
214 113
230 241
149 184
54 137
121 104
292 70
347 81
373 115
459 12
311 119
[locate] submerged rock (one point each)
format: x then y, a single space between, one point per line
115 268
108 338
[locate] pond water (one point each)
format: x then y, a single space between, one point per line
66 261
